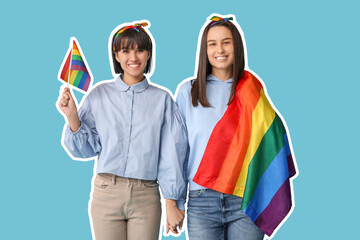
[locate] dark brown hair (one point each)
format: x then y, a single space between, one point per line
129 39
198 88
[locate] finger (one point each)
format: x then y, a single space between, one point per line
66 95
67 90
167 227
70 94
60 104
65 98
174 230
64 102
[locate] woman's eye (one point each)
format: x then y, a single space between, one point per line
226 43
140 50
125 51
211 44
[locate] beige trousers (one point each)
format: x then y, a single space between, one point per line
125 208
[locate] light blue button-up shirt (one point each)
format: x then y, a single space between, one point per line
136 131
201 121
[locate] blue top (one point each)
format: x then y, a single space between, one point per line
136 131
201 121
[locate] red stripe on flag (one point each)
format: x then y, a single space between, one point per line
75 46
65 71
232 165
236 122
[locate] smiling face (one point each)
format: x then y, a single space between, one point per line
133 61
220 50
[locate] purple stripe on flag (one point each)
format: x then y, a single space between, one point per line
276 211
87 83
290 161
83 80
79 68
291 166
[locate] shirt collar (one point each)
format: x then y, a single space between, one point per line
215 79
138 87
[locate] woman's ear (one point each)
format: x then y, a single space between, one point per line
148 55
116 57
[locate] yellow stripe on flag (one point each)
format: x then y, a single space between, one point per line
75 52
73 75
261 121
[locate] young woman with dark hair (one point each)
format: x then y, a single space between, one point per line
135 130
213 215
235 68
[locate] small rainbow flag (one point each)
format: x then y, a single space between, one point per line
249 155
74 69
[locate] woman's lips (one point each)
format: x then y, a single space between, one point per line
221 58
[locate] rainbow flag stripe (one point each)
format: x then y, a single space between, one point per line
248 155
65 70
79 75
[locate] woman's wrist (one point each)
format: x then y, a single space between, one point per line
74 123
171 203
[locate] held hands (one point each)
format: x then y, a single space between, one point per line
174 216
68 107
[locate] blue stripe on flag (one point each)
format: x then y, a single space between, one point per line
83 80
270 182
77 62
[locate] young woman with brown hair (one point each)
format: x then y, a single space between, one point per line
213 215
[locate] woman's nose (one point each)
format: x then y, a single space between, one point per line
220 48
133 55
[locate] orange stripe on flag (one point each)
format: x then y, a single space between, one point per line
233 162
261 121
75 46
66 77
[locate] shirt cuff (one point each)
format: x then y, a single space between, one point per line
68 129
180 204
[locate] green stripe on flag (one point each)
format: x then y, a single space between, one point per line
78 78
270 146
76 57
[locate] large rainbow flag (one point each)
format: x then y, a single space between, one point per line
248 155
74 69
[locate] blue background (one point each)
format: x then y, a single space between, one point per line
307 53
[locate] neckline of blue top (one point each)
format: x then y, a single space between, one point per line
138 87
213 78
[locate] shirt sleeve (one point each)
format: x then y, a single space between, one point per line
181 103
85 142
173 150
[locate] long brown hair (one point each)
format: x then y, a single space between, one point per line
198 88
